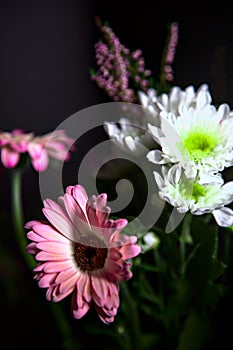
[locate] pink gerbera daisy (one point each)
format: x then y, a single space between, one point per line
55 145
12 145
81 251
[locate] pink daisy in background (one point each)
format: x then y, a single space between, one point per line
12 145
55 145
80 251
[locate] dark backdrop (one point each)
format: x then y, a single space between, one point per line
46 49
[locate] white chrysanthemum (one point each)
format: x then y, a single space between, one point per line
200 138
131 131
198 197
171 102
129 136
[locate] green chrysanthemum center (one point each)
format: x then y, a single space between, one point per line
198 191
200 144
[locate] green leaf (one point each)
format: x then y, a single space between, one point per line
201 269
218 269
194 332
186 236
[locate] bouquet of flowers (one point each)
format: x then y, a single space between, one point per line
151 262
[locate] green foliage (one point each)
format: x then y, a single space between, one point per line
177 286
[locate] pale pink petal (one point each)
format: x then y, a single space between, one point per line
103 216
56 247
61 223
114 253
98 282
41 163
101 201
114 290
69 284
43 256
35 150
80 309
80 195
83 279
40 267
112 266
79 305
91 210
76 214
53 294
58 296
84 287
103 316
31 248
49 203
34 237
48 232
47 280
67 274
125 274
31 223
129 251
56 266
49 293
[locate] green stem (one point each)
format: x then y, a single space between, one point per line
226 247
18 222
184 238
18 218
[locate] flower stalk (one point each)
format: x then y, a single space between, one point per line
18 222
18 217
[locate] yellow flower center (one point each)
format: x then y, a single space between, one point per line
200 144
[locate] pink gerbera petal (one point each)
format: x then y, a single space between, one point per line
41 163
9 157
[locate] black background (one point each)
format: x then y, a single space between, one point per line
46 50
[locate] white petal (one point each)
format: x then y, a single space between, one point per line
130 143
223 110
172 139
223 216
228 187
156 132
156 157
159 180
111 129
143 98
203 98
174 174
210 179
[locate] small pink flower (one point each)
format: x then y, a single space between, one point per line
12 145
55 145
80 251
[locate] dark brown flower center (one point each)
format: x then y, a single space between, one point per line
89 258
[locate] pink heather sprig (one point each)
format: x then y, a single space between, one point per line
119 70
169 54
